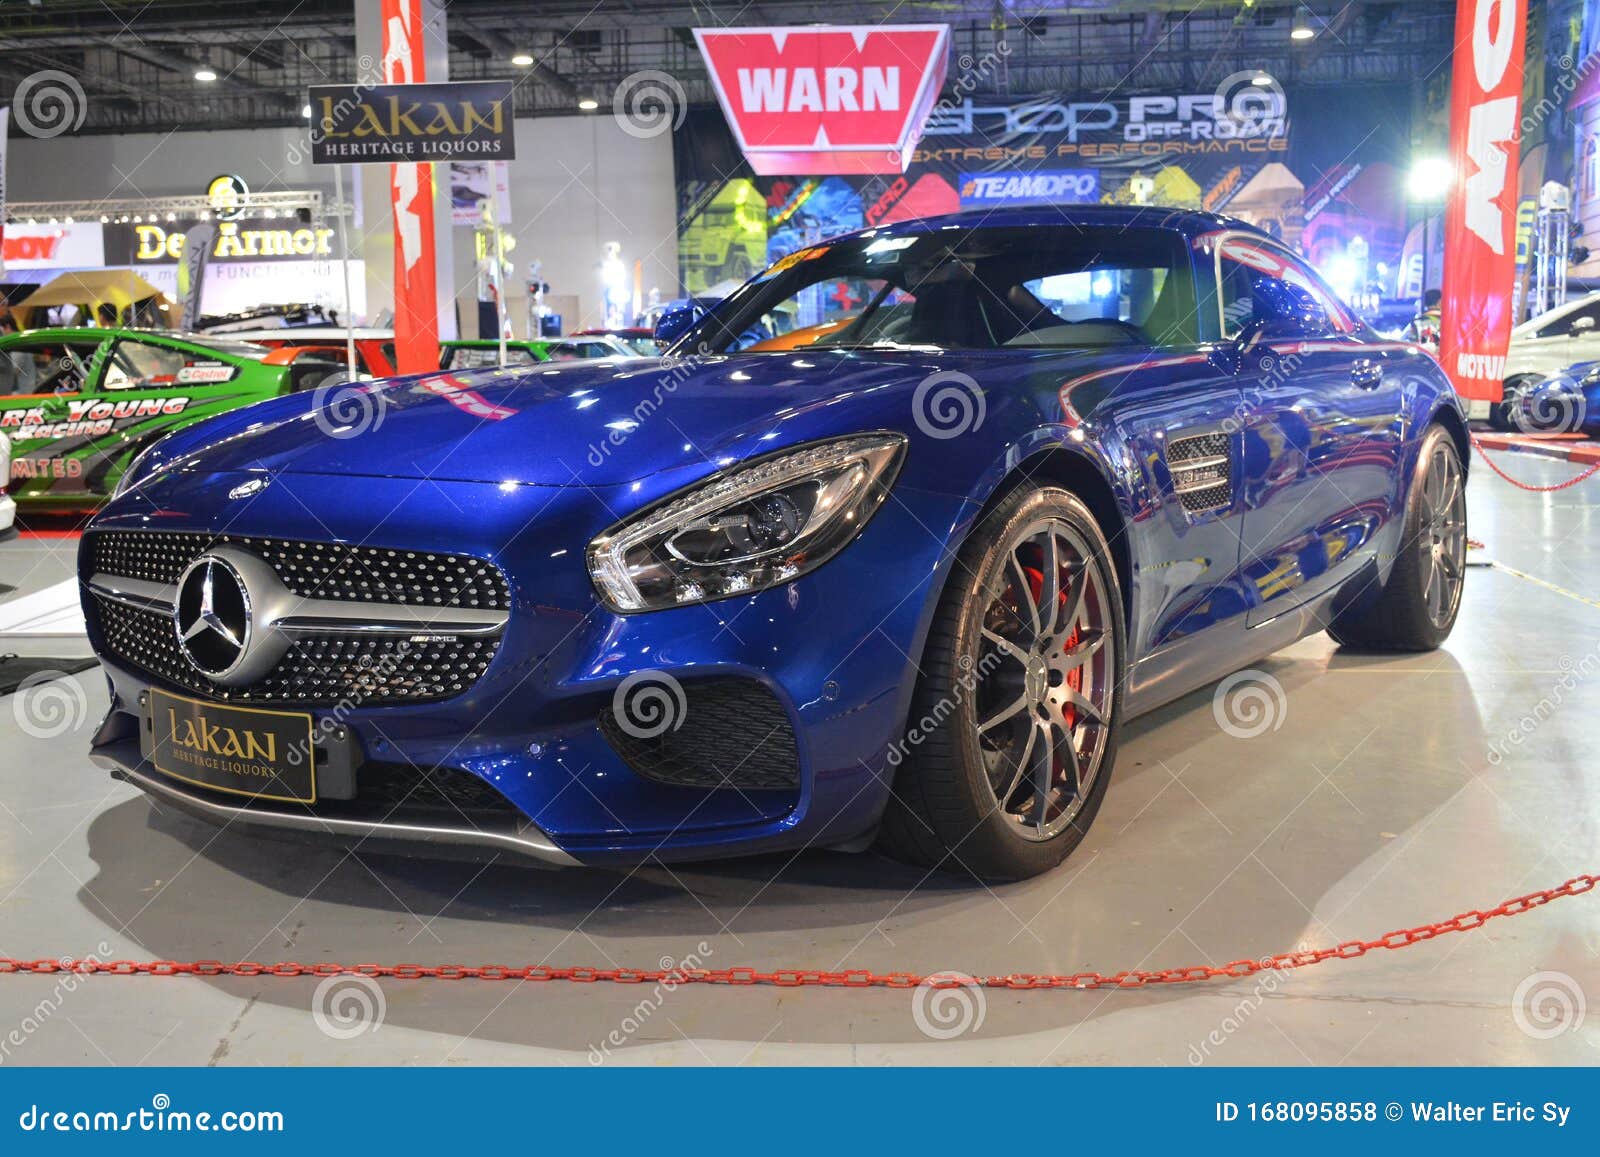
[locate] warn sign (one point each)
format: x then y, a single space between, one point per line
1480 216
812 101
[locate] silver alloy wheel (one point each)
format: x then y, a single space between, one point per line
1046 689
1443 537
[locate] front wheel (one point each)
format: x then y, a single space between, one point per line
1013 731
1418 605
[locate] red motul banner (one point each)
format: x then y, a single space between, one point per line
813 101
1480 217
416 308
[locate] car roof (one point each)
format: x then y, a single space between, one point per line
308 333
1191 222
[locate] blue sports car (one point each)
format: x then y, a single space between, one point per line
885 550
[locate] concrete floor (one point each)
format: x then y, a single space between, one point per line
1377 803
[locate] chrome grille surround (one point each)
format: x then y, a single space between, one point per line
429 634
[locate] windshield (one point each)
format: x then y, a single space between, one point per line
968 288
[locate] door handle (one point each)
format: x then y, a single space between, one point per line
1366 374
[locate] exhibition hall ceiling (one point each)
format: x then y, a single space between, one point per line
138 60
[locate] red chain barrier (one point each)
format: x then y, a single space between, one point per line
1519 484
796 977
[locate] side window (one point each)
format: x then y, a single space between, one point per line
1241 260
37 367
134 365
1562 326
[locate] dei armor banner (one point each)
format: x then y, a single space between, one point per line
1480 216
416 309
815 101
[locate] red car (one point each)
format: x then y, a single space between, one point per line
374 347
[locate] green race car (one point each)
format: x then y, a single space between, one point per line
478 353
78 403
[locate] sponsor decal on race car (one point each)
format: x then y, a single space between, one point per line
206 373
85 417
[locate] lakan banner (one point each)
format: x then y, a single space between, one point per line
1481 214
365 124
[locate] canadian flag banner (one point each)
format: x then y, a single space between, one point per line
1480 215
813 101
416 309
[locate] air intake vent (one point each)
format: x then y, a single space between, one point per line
1202 472
734 734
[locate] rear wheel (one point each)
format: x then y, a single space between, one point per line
1015 719
1418 605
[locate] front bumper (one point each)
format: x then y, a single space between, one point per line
831 651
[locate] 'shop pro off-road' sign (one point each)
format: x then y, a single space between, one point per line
813 101
396 123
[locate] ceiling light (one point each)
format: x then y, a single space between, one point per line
204 75
305 111
1302 29
1430 179
1261 79
588 104
522 60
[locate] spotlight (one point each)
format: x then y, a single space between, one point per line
588 104
1302 28
204 75
1261 79
305 111
1430 178
522 60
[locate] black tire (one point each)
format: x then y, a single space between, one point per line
1500 412
1405 616
943 811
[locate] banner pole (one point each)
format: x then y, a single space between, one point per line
494 261
344 264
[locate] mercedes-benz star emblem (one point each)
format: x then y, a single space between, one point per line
213 616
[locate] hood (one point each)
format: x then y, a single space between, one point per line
595 424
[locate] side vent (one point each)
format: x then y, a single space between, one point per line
1202 472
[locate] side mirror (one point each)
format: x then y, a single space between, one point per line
1581 326
1285 312
675 321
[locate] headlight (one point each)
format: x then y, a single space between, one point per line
759 526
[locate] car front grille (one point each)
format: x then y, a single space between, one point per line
320 667
322 570
732 733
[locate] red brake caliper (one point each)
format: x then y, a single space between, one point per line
1074 677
